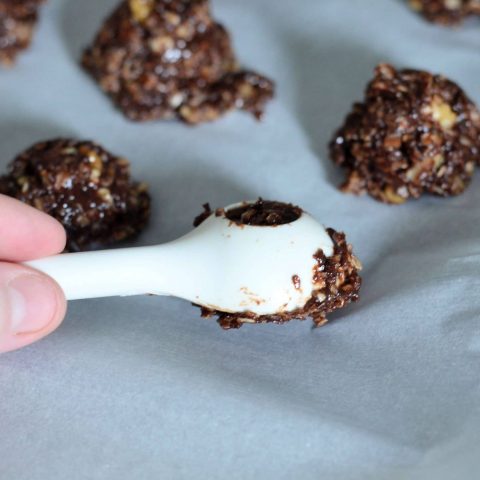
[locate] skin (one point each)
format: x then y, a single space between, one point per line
32 305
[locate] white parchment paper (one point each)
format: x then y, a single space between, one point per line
142 388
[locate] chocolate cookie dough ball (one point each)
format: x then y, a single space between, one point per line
18 19
414 133
83 186
160 59
335 279
446 12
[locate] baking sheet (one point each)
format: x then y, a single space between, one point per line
142 388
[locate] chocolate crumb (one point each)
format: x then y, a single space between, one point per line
162 59
207 211
415 133
83 186
296 282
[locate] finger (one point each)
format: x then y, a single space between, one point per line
31 306
27 233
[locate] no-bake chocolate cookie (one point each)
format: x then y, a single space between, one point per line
86 188
18 19
446 12
414 133
160 59
336 277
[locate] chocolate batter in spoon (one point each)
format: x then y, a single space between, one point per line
253 262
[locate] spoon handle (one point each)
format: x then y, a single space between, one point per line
105 273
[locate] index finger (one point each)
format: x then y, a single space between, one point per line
27 233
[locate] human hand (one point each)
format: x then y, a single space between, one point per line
32 305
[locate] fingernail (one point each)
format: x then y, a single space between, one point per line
33 303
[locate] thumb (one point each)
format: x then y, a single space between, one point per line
31 306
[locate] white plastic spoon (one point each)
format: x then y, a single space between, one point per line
220 265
